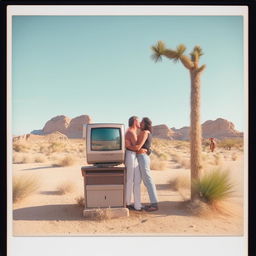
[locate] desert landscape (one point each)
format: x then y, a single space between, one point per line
48 185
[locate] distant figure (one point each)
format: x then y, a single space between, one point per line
212 144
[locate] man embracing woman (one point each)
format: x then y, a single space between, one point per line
137 162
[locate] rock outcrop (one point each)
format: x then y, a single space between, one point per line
219 128
57 123
75 128
162 131
72 128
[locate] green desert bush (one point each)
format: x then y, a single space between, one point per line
23 186
214 186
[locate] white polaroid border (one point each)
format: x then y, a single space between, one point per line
117 245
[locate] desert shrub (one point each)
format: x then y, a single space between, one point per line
17 158
40 159
56 146
65 188
234 157
163 156
44 148
23 186
157 164
217 159
22 158
66 161
185 163
20 147
230 143
80 200
214 185
180 182
176 158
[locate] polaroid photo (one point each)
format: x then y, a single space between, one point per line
127 129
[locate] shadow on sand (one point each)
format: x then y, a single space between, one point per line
51 193
74 212
41 167
49 212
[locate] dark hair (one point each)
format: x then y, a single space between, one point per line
131 120
148 124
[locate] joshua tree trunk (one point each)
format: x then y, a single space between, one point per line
195 130
192 64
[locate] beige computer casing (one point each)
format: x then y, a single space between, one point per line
98 157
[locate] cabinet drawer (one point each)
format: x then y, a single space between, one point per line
98 179
104 196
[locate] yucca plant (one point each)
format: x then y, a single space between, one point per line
214 186
192 64
23 186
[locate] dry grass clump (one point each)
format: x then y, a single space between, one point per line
231 142
234 157
180 182
157 164
20 147
176 158
22 158
217 159
57 146
44 148
40 159
80 201
23 186
185 163
66 161
65 188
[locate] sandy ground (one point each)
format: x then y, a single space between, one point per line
47 213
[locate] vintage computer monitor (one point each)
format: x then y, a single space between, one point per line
104 180
105 143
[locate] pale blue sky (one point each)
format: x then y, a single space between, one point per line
101 66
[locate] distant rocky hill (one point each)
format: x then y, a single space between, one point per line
162 131
219 128
72 128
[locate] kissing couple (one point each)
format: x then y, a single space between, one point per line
138 139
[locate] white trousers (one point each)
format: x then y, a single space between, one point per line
133 179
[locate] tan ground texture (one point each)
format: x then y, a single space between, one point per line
47 212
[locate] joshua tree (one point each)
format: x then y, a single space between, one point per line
192 64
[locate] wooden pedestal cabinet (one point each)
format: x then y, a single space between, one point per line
104 186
